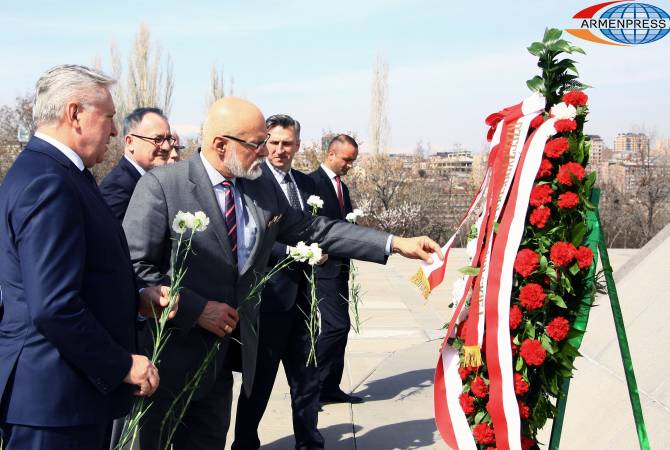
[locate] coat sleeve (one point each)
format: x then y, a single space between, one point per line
49 226
147 228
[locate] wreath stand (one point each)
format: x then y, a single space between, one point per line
595 240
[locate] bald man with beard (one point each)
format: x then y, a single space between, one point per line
247 215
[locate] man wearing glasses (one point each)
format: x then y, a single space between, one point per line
248 214
148 143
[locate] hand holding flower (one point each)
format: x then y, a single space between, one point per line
154 299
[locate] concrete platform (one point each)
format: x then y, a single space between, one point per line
391 364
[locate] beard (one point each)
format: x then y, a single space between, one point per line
233 164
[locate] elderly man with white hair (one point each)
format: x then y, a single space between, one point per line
68 358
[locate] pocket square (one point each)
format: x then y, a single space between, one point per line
273 221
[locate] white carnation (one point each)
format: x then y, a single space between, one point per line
315 201
182 221
563 111
311 254
314 254
351 217
200 221
471 249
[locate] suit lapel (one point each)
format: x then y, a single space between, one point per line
203 192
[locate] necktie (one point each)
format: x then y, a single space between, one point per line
230 216
293 199
340 199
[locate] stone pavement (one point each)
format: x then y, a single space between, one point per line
391 365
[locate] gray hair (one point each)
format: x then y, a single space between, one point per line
61 84
283 121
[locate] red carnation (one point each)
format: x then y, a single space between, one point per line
532 352
564 125
539 216
562 254
558 328
467 403
520 385
537 121
564 172
568 200
524 410
575 98
526 262
541 194
545 169
532 296
479 387
554 148
515 317
584 257
484 434
527 443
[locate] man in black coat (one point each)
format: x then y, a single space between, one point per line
148 143
283 334
333 276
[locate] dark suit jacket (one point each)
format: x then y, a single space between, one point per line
212 273
69 296
281 291
335 266
118 186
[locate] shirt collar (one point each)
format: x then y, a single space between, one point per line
135 165
277 172
67 151
329 172
214 175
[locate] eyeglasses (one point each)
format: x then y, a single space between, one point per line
158 140
253 145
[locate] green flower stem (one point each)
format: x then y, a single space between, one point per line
312 320
178 408
354 297
132 424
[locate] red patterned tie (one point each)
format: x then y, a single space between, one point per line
231 218
340 199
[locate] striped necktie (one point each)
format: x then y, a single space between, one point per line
230 216
293 199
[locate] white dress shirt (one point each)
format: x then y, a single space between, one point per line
279 176
135 165
67 151
246 226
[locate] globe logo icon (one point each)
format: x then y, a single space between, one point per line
637 13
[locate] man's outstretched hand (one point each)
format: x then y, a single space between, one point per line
416 248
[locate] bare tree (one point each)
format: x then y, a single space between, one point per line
379 124
13 118
216 86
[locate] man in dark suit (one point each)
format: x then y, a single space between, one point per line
332 287
148 143
248 214
283 334
67 337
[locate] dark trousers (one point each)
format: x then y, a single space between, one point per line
83 437
282 337
335 323
203 427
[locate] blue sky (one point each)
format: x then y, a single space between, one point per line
449 65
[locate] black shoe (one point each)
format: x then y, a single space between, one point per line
339 397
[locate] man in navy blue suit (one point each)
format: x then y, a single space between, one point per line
67 336
332 287
148 143
283 334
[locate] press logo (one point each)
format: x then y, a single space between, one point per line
622 24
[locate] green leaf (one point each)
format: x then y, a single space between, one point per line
557 300
547 344
519 364
536 84
573 333
543 263
574 269
551 35
567 285
590 180
559 46
469 270
536 48
575 49
496 225
578 233
480 416
529 329
551 273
